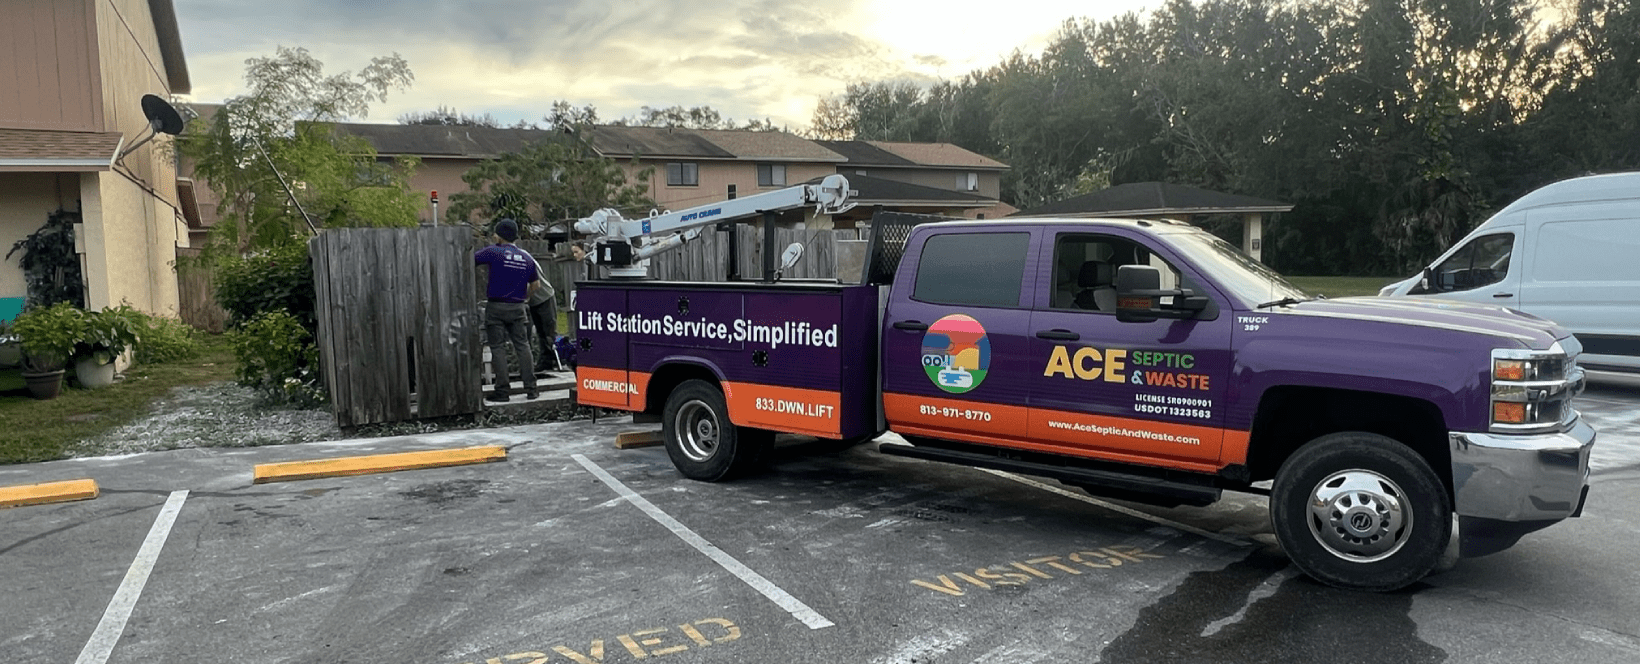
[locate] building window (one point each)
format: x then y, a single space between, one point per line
968 182
682 174
771 175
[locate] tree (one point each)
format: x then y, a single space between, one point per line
548 181
445 116
285 119
695 117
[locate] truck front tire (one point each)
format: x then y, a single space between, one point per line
1361 511
702 442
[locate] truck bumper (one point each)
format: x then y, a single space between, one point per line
1504 486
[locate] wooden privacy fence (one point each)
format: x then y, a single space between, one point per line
398 324
196 296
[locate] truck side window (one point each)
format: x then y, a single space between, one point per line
1482 262
982 269
1085 270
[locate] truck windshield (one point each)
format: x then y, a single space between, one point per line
1248 280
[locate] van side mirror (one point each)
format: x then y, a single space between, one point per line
1138 288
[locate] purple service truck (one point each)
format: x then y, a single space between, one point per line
1141 360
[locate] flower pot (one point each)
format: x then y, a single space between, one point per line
45 385
94 374
11 354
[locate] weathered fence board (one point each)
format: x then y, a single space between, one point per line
397 323
196 296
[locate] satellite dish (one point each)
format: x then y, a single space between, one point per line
162 119
793 253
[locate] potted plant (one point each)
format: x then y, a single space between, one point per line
48 335
103 336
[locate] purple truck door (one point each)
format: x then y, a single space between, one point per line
1151 393
956 359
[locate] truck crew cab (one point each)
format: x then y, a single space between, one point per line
1142 360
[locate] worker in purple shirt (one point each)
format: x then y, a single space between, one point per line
513 277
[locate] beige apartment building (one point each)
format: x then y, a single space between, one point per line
70 98
690 167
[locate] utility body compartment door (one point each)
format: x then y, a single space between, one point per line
601 375
1151 393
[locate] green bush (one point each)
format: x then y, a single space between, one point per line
276 358
280 279
167 340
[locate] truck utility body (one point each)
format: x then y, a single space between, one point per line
1135 359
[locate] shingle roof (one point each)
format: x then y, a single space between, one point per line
880 191
938 154
446 141
1150 198
58 151
616 141
770 145
861 153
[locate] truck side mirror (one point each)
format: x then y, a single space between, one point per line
1137 287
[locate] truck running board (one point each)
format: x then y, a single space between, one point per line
1106 483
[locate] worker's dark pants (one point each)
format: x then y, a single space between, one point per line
505 322
544 317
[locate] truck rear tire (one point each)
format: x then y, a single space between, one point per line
1361 511
702 442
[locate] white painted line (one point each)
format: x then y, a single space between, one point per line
108 631
1227 539
1263 590
791 604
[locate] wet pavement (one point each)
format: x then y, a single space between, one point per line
573 551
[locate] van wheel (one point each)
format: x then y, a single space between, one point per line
1360 511
702 442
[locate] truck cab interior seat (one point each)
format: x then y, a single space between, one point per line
1097 280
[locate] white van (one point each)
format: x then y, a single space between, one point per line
1568 252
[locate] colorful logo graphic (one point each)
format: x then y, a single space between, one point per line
956 354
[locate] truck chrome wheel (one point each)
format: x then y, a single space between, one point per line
1361 510
697 428
1359 515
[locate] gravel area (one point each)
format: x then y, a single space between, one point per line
216 415
229 415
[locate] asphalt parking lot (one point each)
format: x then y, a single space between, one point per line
574 551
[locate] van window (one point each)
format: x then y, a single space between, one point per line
982 269
1593 250
1482 262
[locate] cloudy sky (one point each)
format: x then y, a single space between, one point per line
512 58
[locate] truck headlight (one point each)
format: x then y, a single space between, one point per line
1532 391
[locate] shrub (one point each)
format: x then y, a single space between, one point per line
166 340
276 358
280 279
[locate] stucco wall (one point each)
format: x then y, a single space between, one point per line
129 241
715 178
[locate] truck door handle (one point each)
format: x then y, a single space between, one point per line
1502 295
1058 335
916 325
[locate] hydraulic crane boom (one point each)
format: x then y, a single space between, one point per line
625 245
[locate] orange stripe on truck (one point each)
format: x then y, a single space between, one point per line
788 409
610 388
1148 442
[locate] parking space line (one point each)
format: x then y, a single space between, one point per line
798 609
108 630
1227 539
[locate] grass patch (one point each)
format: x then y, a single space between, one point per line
1342 286
32 430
